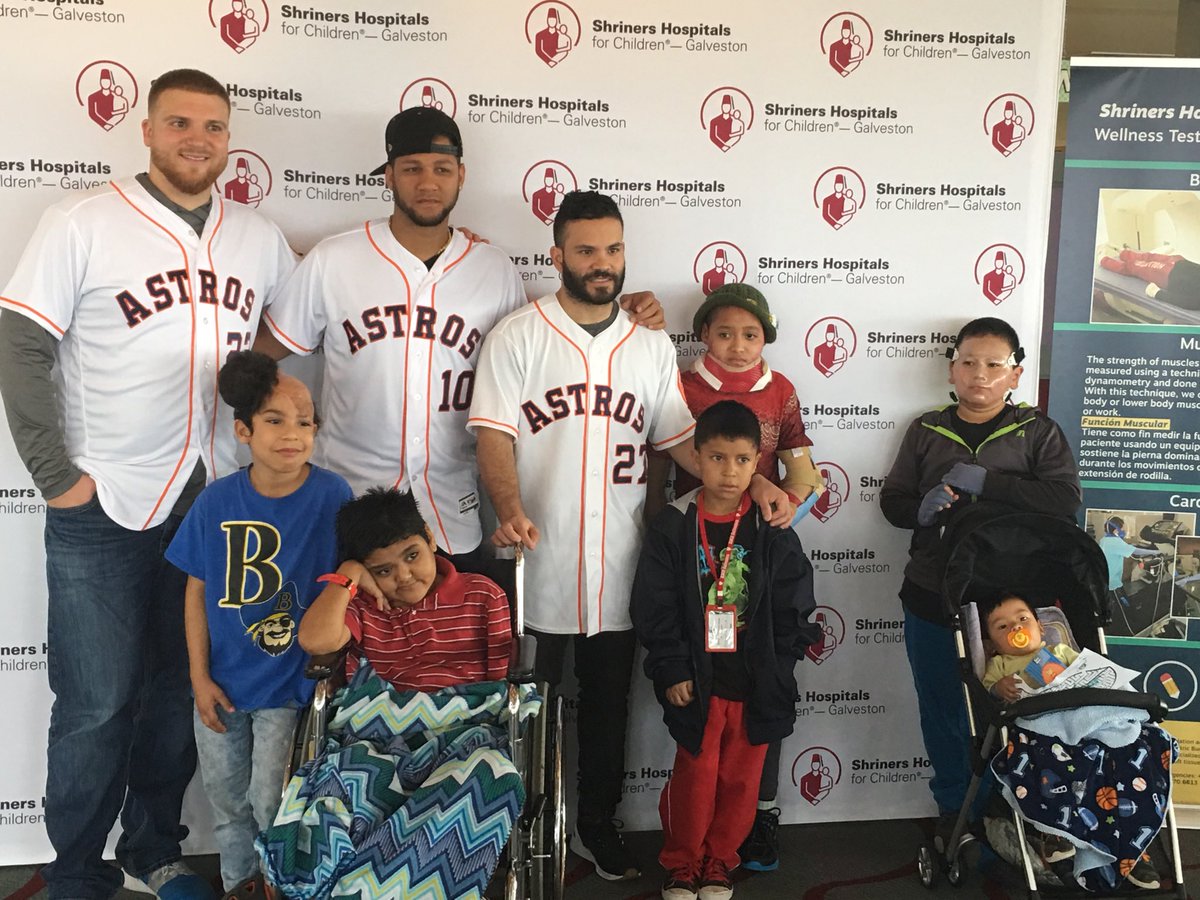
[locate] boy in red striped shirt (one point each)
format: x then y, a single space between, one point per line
421 624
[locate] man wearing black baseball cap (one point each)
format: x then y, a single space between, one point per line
400 306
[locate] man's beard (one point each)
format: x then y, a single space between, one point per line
425 221
577 287
181 180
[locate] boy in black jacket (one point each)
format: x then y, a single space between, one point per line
721 601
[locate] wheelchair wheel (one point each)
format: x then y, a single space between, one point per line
550 833
926 867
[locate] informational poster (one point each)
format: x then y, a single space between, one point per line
881 173
1125 383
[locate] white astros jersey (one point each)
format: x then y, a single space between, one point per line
400 344
145 313
584 411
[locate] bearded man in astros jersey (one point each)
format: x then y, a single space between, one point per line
570 399
115 321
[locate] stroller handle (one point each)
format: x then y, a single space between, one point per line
1071 698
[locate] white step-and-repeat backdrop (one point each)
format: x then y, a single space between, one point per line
882 173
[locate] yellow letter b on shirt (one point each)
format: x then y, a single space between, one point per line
250 547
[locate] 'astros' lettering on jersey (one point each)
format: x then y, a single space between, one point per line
584 411
145 313
400 343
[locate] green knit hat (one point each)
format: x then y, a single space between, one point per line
747 297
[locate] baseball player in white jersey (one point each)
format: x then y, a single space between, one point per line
568 400
400 307
137 291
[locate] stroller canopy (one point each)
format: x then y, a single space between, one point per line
1046 559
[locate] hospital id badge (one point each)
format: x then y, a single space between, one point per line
720 629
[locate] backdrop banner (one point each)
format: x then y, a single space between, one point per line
1125 381
882 174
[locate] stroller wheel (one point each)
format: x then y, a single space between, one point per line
954 871
926 869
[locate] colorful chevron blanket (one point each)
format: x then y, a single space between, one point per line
414 796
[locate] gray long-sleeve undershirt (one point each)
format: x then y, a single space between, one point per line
31 403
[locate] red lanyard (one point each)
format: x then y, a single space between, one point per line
743 505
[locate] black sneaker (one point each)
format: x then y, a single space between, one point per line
600 844
760 850
1054 848
715 883
682 883
1144 875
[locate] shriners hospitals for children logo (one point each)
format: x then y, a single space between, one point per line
726 114
108 91
247 178
554 30
1008 120
837 488
830 343
998 271
432 93
846 40
239 22
839 194
816 771
719 263
544 185
833 632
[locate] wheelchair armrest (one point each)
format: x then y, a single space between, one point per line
325 665
1076 697
521 663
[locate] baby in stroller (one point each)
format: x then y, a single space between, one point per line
1082 767
415 789
1014 636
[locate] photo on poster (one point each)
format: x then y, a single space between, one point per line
1145 570
1147 261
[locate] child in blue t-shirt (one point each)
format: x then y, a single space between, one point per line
253 546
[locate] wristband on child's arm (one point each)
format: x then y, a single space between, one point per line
341 581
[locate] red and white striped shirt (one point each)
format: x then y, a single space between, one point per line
459 633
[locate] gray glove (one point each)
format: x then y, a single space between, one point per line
934 501
966 476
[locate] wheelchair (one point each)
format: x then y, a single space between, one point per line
534 864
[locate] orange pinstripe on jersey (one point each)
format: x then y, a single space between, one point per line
191 350
407 331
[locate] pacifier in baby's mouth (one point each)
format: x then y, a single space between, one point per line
1018 638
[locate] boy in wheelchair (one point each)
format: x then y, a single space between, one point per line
415 789
421 624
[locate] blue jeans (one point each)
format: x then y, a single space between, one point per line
121 725
934 661
243 777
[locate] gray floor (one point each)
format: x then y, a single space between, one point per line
848 861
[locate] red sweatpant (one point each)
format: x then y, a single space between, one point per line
708 805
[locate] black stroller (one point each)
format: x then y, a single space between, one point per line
1051 562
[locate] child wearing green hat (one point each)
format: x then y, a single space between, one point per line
735 322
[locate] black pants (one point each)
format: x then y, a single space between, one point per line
768 785
604 668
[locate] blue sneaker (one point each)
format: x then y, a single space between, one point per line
760 849
175 881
